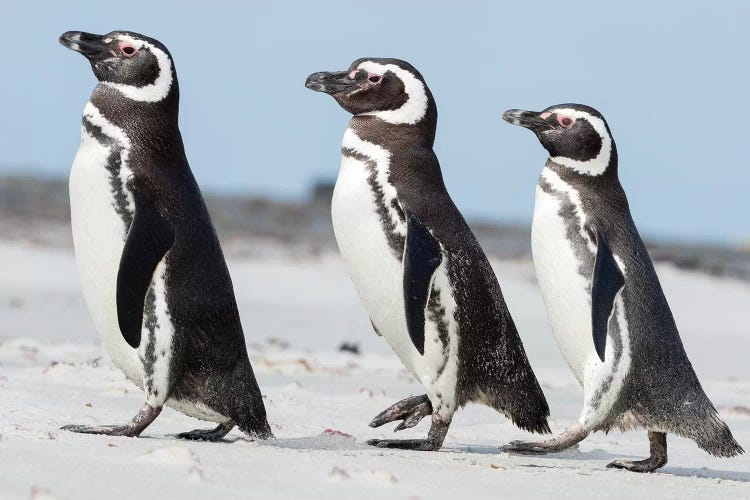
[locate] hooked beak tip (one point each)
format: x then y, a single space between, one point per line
331 83
512 116
313 84
84 43
516 116
531 120
316 82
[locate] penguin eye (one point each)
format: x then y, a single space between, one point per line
128 49
374 78
565 121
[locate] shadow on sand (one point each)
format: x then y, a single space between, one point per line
599 454
324 441
706 473
570 454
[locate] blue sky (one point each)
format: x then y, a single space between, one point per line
670 77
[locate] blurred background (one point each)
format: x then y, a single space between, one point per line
671 79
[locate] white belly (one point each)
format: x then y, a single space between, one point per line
99 237
378 278
566 292
376 273
567 297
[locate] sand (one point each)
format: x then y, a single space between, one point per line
296 313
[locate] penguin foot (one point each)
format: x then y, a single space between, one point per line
648 465
410 411
658 458
405 444
567 439
434 441
143 419
216 434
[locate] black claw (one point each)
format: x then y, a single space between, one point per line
523 448
404 444
216 434
648 465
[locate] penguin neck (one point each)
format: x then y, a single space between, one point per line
606 184
139 118
151 128
609 175
394 136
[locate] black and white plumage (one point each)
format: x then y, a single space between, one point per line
416 265
607 309
152 270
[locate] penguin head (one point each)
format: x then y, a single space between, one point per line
389 89
576 136
139 67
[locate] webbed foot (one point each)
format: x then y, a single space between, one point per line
143 419
658 458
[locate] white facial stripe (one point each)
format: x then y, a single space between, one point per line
415 106
153 92
595 166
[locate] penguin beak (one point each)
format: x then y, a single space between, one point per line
531 120
86 43
331 82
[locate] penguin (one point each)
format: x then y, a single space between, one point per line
151 266
606 307
418 269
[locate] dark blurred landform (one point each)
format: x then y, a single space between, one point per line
36 210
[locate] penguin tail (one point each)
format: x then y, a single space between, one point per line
700 422
532 417
525 406
716 439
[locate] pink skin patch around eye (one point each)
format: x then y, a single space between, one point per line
125 45
353 74
545 115
565 120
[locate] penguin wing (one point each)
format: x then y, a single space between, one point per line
606 282
422 256
149 238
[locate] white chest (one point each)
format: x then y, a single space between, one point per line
376 273
99 234
566 292
362 207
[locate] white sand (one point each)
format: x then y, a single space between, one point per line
51 375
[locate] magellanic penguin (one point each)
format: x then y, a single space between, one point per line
603 298
416 265
151 267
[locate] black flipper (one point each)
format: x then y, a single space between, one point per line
149 238
606 282
422 256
